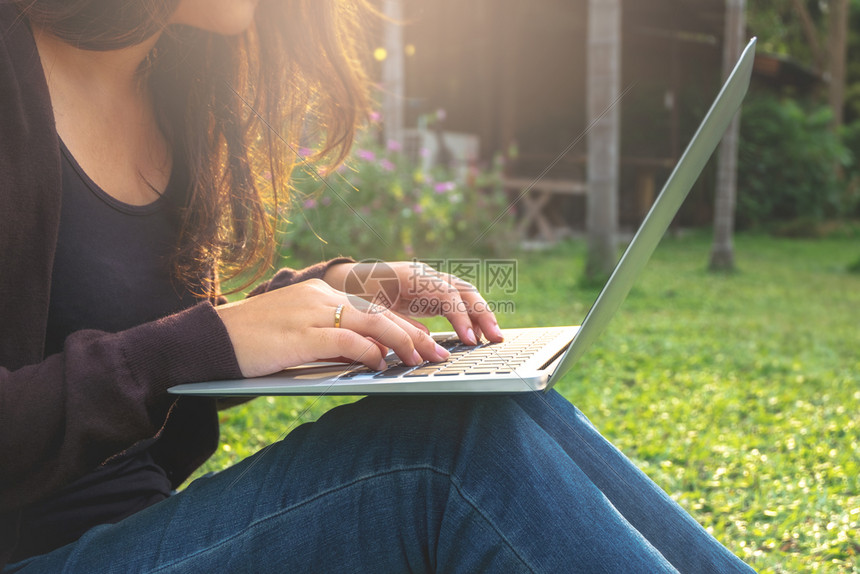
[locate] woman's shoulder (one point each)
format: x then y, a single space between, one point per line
21 74
29 187
13 25
26 114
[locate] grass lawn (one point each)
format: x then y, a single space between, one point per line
738 394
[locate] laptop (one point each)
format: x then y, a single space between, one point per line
531 359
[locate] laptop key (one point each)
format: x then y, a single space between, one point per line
393 371
426 369
449 372
357 373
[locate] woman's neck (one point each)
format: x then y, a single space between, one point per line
104 113
113 73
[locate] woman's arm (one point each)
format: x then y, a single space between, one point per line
66 415
313 320
287 276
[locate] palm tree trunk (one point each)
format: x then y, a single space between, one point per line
604 81
393 72
838 40
722 251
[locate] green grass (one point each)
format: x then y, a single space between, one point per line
737 393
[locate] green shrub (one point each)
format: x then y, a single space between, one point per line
850 136
786 163
380 204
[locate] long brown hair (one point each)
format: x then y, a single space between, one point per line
235 109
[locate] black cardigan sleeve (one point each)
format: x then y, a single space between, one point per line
67 414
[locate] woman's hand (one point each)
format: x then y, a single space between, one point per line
296 325
415 289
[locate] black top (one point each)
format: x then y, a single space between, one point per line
112 268
111 272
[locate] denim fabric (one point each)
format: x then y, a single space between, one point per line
414 484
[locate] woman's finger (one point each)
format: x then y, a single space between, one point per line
430 294
410 343
417 324
341 359
483 319
338 342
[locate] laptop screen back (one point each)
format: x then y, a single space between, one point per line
665 207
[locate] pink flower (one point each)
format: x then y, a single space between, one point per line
417 208
385 164
375 116
444 187
310 203
305 152
394 145
366 155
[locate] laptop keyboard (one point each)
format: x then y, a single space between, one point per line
482 359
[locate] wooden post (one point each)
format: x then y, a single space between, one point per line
487 81
393 72
838 40
722 251
603 119
511 25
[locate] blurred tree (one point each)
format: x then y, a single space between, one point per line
814 32
789 28
796 28
852 67
838 47
722 250
604 83
393 72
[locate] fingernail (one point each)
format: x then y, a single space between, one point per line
382 365
497 331
442 352
470 337
416 357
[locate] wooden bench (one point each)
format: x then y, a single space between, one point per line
534 197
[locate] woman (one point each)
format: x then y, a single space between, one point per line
132 136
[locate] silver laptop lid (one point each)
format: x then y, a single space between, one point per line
657 221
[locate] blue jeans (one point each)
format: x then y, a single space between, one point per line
418 484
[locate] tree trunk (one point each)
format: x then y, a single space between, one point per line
838 41
604 81
393 72
722 251
810 33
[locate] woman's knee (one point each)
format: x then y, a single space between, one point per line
442 432
473 440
